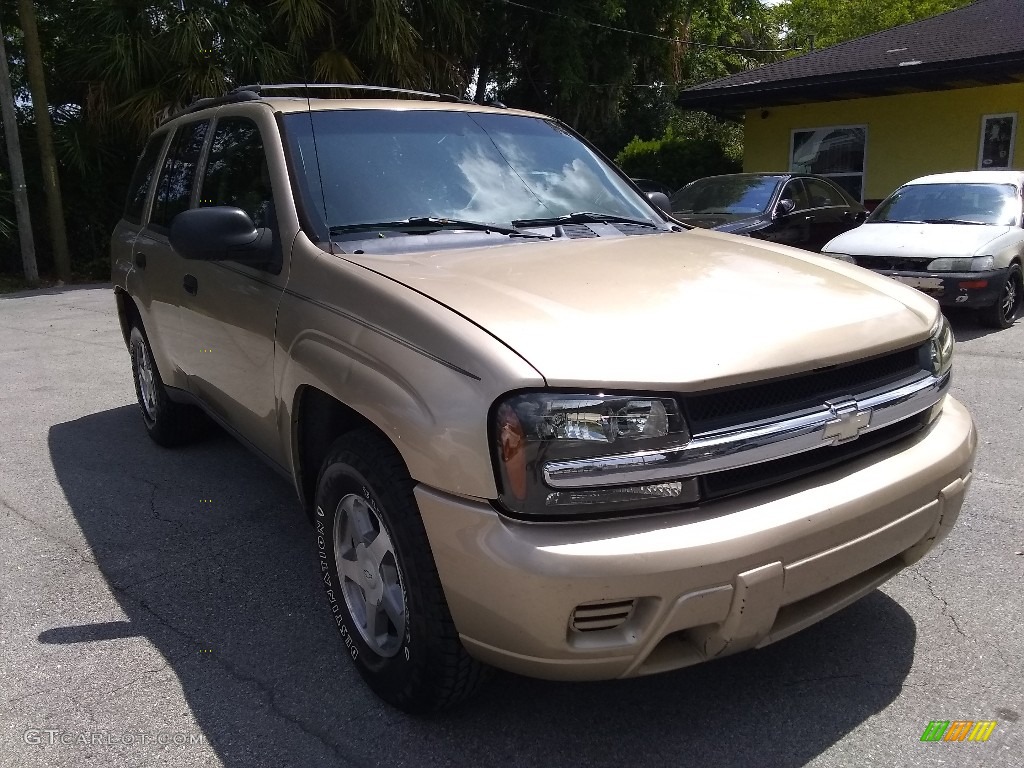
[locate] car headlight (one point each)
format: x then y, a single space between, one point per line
941 345
977 264
840 257
531 430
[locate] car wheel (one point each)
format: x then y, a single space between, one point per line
382 586
1007 306
167 422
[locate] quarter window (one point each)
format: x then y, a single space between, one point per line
145 169
835 152
236 171
174 189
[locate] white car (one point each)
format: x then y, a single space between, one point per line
959 237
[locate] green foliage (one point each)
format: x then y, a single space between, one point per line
833 22
674 160
115 68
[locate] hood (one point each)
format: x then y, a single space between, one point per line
675 311
915 240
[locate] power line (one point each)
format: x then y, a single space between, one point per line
647 34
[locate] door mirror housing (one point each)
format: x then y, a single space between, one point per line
660 200
220 233
785 207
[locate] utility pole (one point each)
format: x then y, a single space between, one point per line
44 129
10 120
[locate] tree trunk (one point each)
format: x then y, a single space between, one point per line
44 129
10 120
483 76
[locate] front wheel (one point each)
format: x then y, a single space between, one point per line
382 586
1003 313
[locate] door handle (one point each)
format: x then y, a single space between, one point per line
140 260
190 284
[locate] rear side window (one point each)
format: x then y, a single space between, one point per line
145 169
823 195
174 189
236 171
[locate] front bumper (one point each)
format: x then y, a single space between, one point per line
691 586
955 289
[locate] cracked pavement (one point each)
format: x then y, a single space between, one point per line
131 604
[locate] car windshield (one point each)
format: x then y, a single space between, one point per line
952 204
371 166
747 195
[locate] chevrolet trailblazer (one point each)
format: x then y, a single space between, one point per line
537 424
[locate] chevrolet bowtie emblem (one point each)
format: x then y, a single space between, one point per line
847 421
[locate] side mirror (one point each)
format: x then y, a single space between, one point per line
785 207
660 200
220 233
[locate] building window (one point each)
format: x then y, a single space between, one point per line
998 132
836 152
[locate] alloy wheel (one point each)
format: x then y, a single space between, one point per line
1009 299
369 574
144 372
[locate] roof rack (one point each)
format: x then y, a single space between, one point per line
260 89
256 91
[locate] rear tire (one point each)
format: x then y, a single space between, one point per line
386 597
168 423
1003 313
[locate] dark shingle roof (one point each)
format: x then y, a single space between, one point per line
983 41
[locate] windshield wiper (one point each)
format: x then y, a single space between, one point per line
431 224
954 221
583 217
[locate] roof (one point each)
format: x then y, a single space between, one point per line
972 177
979 44
412 100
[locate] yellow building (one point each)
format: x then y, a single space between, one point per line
942 94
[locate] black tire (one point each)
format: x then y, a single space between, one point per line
416 662
168 423
1007 307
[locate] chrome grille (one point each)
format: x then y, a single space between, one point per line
778 397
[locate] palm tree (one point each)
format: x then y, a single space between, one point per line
44 131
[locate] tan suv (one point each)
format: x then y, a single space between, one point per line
536 423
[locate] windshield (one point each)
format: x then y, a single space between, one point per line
952 203
390 165
746 195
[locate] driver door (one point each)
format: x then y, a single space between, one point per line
792 228
229 317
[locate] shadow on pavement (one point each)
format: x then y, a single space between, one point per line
212 560
966 325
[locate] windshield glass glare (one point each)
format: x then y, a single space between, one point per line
941 203
736 195
390 165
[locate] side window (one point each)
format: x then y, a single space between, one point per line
794 191
822 195
174 189
236 171
145 169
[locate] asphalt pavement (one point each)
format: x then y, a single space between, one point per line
163 608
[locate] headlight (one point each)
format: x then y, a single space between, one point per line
532 429
941 347
840 257
978 264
